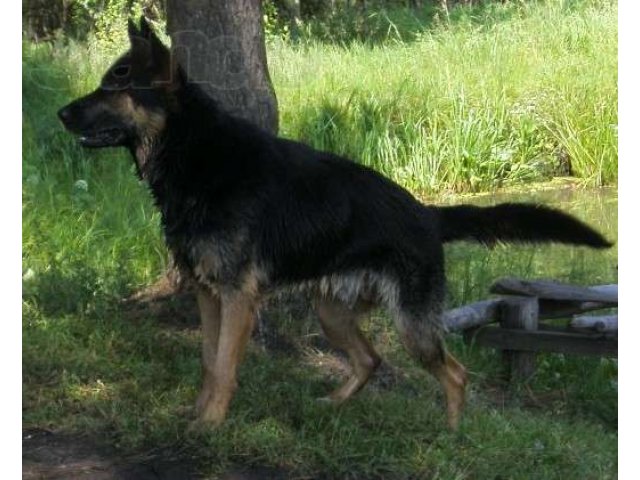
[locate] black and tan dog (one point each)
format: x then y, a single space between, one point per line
246 213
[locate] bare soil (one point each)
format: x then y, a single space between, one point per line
50 455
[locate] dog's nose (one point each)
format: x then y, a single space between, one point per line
64 114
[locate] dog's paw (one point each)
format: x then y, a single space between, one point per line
203 424
202 400
327 400
196 427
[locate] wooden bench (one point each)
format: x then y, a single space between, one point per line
520 333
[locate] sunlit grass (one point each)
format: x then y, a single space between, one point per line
465 106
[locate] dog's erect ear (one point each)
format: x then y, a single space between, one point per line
159 53
158 49
132 29
140 46
145 28
144 31
149 51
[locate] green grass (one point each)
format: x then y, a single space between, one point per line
494 98
504 97
129 384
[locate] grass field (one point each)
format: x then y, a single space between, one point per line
501 96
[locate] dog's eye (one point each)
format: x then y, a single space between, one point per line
121 71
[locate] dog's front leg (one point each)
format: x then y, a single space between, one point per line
209 305
237 314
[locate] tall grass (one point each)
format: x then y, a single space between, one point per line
89 231
512 95
506 94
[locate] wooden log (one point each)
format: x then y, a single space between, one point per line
519 313
602 323
565 308
556 291
487 311
472 315
598 344
550 290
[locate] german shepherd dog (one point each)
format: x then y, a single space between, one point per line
246 213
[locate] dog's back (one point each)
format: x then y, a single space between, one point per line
245 213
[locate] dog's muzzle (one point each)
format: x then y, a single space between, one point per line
90 136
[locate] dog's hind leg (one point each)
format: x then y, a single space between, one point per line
209 305
453 378
423 339
237 314
340 325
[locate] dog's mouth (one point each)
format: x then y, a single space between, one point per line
109 137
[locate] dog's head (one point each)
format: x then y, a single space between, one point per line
134 97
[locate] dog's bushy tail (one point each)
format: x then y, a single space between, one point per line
516 222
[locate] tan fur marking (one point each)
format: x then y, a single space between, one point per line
150 123
252 282
209 305
353 287
203 270
237 319
453 378
340 324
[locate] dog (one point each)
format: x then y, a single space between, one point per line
246 214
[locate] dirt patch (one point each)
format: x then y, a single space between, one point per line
49 455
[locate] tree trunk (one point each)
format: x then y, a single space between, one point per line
220 44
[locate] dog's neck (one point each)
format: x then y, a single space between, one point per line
189 156
143 151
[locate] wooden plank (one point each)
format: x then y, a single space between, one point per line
519 313
486 311
584 331
566 308
567 329
601 323
544 341
556 291
472 315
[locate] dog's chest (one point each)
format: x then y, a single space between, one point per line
217 261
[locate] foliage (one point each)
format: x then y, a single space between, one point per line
44 19
274 24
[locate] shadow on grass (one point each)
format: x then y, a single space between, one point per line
126 385
51 455
378 24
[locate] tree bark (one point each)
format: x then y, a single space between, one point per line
472 315
519 313
220 44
